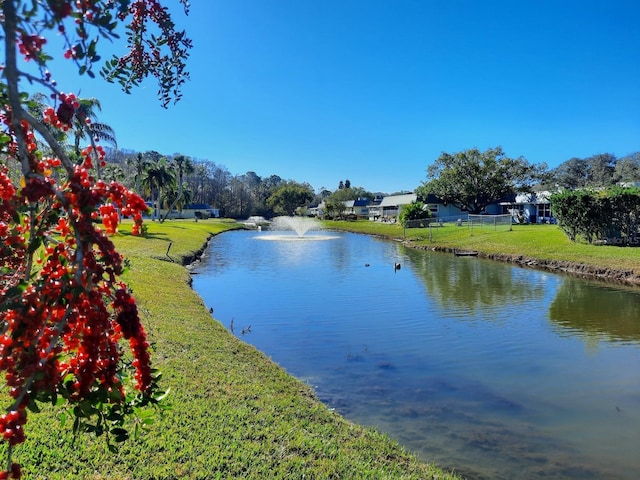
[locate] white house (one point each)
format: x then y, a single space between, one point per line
530 207
389 208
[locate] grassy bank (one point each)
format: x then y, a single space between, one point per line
235 413
545 244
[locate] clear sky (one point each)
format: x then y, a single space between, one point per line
373 91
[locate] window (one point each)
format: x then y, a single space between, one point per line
433 208
544 210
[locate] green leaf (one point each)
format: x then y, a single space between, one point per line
159 396
33 406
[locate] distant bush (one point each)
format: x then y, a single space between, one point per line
413 211
609 216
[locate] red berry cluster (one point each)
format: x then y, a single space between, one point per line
60 8
30 45
11 424
62 117
110 218
63 309
62 321
91 152
14 472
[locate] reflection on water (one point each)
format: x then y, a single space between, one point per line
611 314
475 365
467 282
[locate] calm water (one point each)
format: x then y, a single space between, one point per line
494 370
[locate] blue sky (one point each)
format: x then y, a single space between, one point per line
373 91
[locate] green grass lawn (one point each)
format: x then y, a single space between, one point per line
235 414
544 242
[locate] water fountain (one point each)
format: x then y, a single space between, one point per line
299 228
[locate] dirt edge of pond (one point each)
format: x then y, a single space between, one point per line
611 275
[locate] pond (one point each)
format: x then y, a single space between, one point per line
490 369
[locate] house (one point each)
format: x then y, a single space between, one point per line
194 210
359 207
524 207
316 210
529 207
389 207
442 210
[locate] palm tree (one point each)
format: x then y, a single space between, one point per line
140 164
158 177
113 173
93 129
184 166
187 197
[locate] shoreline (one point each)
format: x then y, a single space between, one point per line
596 269
587 272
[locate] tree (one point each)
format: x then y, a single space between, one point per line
323 192
351 193
157 179
471 179
601 170
595 172
85 124
334 208
140 165
413 211
628 168
571 174
606 215
183 166
113 173
63 305
289 196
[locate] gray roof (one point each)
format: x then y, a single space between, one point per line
396 200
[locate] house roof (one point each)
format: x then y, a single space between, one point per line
533 198
395 200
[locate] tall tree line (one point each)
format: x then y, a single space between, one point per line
179 180
597 171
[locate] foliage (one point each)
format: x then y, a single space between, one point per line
593 172
182 166
350 193
63 305
625 214
334 207
611 215
158 177
85 124
628 168
471 179
578 213
413 211
289 196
